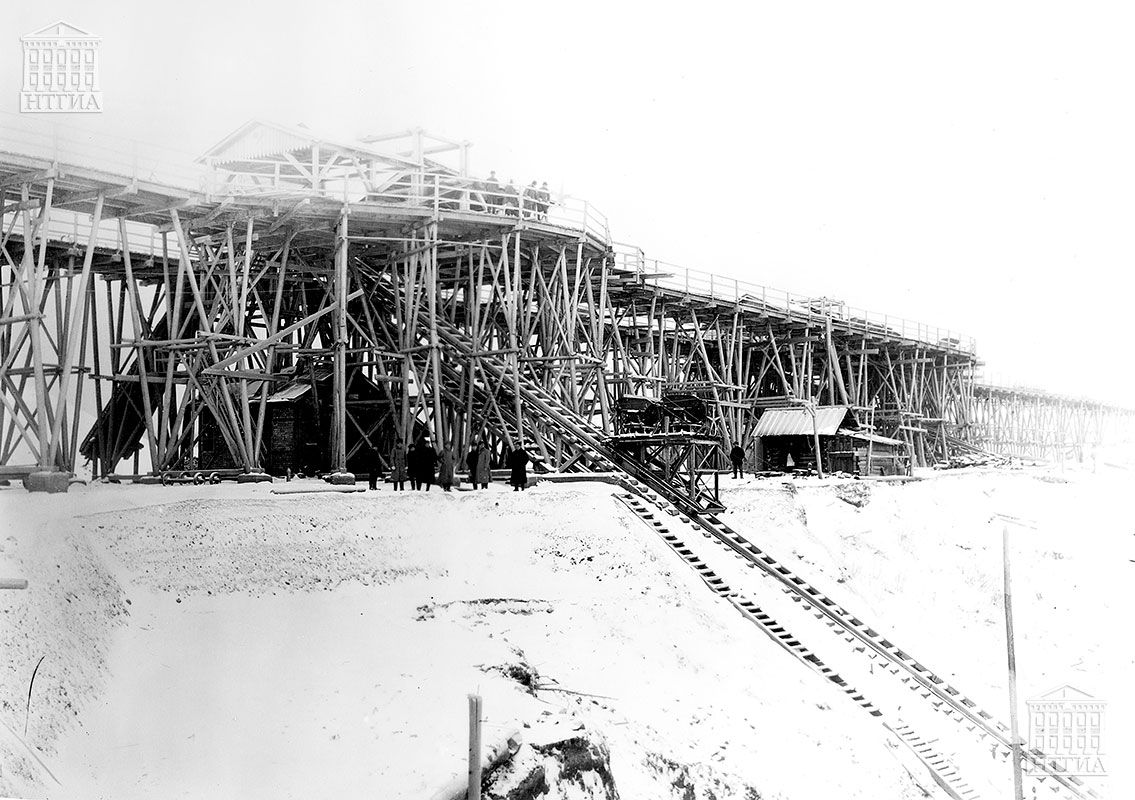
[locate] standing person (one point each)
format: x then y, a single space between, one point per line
447 469
374 467
471 462
427 461
477 199
493 193
398 466
530 201
480 473
518 462
543 200
511 199
414 467
737 456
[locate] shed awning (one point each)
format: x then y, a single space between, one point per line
293 391
874 437
798 421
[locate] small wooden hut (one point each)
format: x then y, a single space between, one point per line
787 439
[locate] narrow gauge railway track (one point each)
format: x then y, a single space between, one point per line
945 774
944 697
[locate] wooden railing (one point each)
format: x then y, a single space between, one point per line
733 291
436 193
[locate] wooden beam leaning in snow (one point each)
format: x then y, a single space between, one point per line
502 751
474 747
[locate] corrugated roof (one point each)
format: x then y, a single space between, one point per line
290 392
798 421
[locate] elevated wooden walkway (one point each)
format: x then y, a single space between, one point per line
206 283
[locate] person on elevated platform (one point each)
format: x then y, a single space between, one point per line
493 193
478 199
530 202
511 199
543 200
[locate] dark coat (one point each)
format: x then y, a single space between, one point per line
398 464
518 462
478 463
446 474
427 461
737 454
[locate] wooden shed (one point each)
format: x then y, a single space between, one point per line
297 425
862 453
787 442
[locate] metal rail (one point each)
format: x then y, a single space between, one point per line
943 772
841 621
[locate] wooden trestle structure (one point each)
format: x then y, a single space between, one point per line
137 311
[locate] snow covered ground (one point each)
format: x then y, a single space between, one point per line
922 563
224 641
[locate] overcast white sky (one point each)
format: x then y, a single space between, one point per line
969 165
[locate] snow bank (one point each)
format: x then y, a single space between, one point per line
58 630
323 645
922 562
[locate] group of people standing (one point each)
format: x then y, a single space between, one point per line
531 203
423 466
478 461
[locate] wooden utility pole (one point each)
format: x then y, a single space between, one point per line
339 388
816 441
1018 790
474 747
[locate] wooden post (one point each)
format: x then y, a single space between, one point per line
71 353
339 388
1018 790
816 441
474 747
434 287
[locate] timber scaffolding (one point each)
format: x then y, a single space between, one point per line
189 297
